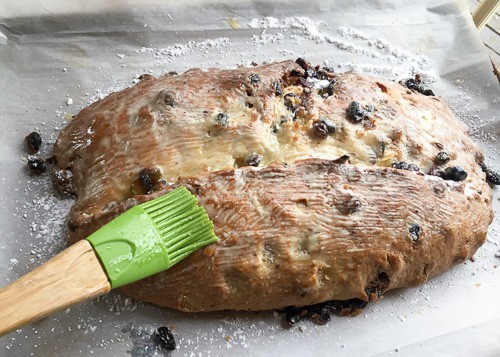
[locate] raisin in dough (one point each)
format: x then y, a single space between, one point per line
304 196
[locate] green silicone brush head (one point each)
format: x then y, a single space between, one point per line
152 237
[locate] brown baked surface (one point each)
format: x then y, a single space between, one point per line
322 217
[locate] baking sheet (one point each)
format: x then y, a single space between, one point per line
57 58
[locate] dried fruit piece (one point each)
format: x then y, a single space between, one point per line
414 84
254 78
148 178
290 102
491 176
320 313
278 90
146 77
374 292
167 97
455 173
165 338
319 129
36 165
323 127
330 127
221 119
405 166
303 63
414 231
355 113
442 158
323 75
331 87
254 160
33 142
309 73
322 316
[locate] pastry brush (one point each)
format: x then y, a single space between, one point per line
145 240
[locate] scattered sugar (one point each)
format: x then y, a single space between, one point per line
305 28
264 38
164 55
399 64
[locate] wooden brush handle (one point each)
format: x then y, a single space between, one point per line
70 277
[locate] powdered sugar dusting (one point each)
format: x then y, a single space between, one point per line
305 28
401 64
165 55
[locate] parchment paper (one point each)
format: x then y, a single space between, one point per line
57 58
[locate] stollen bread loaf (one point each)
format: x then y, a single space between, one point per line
321 186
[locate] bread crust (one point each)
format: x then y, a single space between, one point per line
321 218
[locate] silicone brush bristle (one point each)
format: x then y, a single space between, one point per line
183 225
153 236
